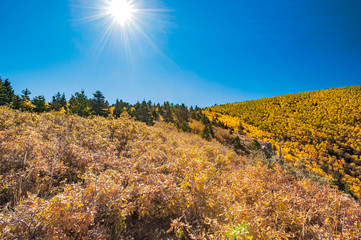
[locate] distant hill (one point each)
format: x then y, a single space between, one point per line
323 128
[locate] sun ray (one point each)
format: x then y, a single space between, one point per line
128 27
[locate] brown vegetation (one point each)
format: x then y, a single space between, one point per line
67 177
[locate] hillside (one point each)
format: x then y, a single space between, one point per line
323 128
68 177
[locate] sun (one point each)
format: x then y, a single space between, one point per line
124 25
121 11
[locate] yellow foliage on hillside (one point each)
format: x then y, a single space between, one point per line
67 177
323 126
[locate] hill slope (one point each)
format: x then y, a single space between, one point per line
67 177
322 126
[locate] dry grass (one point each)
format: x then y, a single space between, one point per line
66 177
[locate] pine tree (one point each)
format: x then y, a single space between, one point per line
79 104
155 114
98 104
120 107
40 104
182 117
18 103
240 128
183 114
58 102
144 113
25 94
167 113
6 92
208 132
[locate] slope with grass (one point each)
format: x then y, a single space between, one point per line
323 127
67 177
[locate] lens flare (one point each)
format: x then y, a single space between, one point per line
121 11
128 29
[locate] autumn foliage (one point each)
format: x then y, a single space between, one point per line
322 126
68 177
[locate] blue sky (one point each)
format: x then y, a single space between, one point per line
194 52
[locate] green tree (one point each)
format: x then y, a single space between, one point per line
144 114
206 133
155 114
40 104
79 104
183 126
58 101
22 103
240 128
6 92
167 112
183 113
25 94
182 117
120 107
19 104
236 144
99 106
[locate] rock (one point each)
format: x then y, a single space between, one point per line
265 151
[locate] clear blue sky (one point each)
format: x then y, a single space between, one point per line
200 52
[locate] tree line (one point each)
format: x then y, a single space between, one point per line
79 103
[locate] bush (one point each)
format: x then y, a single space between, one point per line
254 145
68 177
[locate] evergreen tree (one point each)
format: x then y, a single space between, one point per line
160 111
58 102
19 104
183 114
196 113
40 104
215 121
25 94
207 132
143 113
98 104
79 104
155 114
182 117
183 126
135 112
167 113
205 120
6 92
192 113
120 107
236 144
149 104
240 128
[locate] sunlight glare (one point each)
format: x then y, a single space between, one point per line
121 11
127 26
